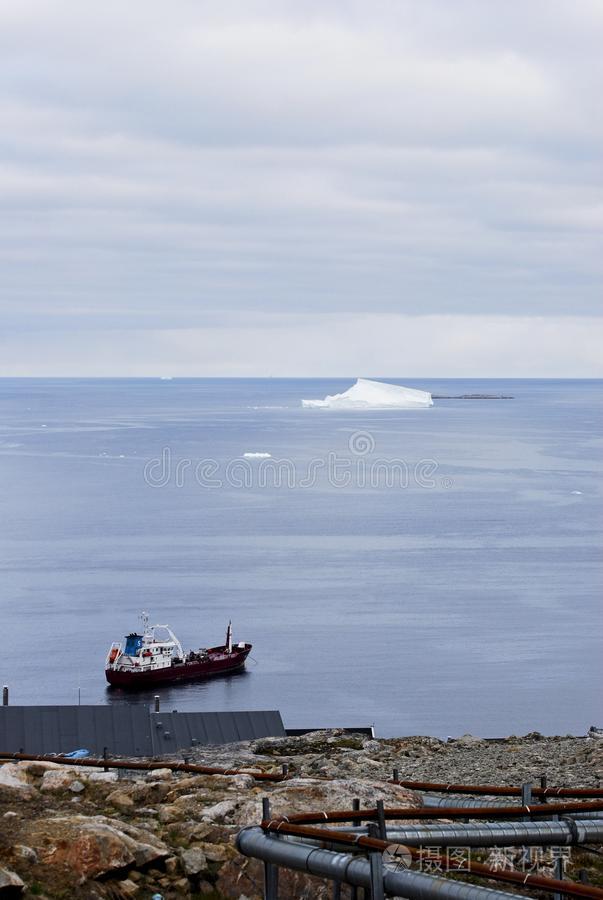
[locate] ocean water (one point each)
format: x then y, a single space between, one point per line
431 571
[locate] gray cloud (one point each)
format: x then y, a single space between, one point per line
186 166
327 345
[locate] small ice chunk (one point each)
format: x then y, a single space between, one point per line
258 455
366 394
576 492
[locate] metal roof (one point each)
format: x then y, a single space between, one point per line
179 730
127 730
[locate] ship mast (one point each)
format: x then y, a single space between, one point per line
229 637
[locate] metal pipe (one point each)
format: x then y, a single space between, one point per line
376 866
559 875
145 766
526 797
452 812
270 870
354 888
369 844
344 867
434 801
382 829
492 834
497 790
543 786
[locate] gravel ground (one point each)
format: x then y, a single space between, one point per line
565 760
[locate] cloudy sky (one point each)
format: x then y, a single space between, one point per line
341 187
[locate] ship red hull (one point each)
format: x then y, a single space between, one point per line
219 663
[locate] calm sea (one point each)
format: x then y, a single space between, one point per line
432 571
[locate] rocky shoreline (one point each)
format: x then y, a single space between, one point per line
83 833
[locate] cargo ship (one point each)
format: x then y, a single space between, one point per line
156 657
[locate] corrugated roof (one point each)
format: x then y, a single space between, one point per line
179 730
127 730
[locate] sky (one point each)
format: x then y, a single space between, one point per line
323 188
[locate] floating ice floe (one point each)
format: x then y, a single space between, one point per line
257 456
367 394
576 492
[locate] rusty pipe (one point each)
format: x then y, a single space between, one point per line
191 768
496 791
451 812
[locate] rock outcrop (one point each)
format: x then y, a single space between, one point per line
68 831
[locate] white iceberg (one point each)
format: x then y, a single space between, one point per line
257 455
367 394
